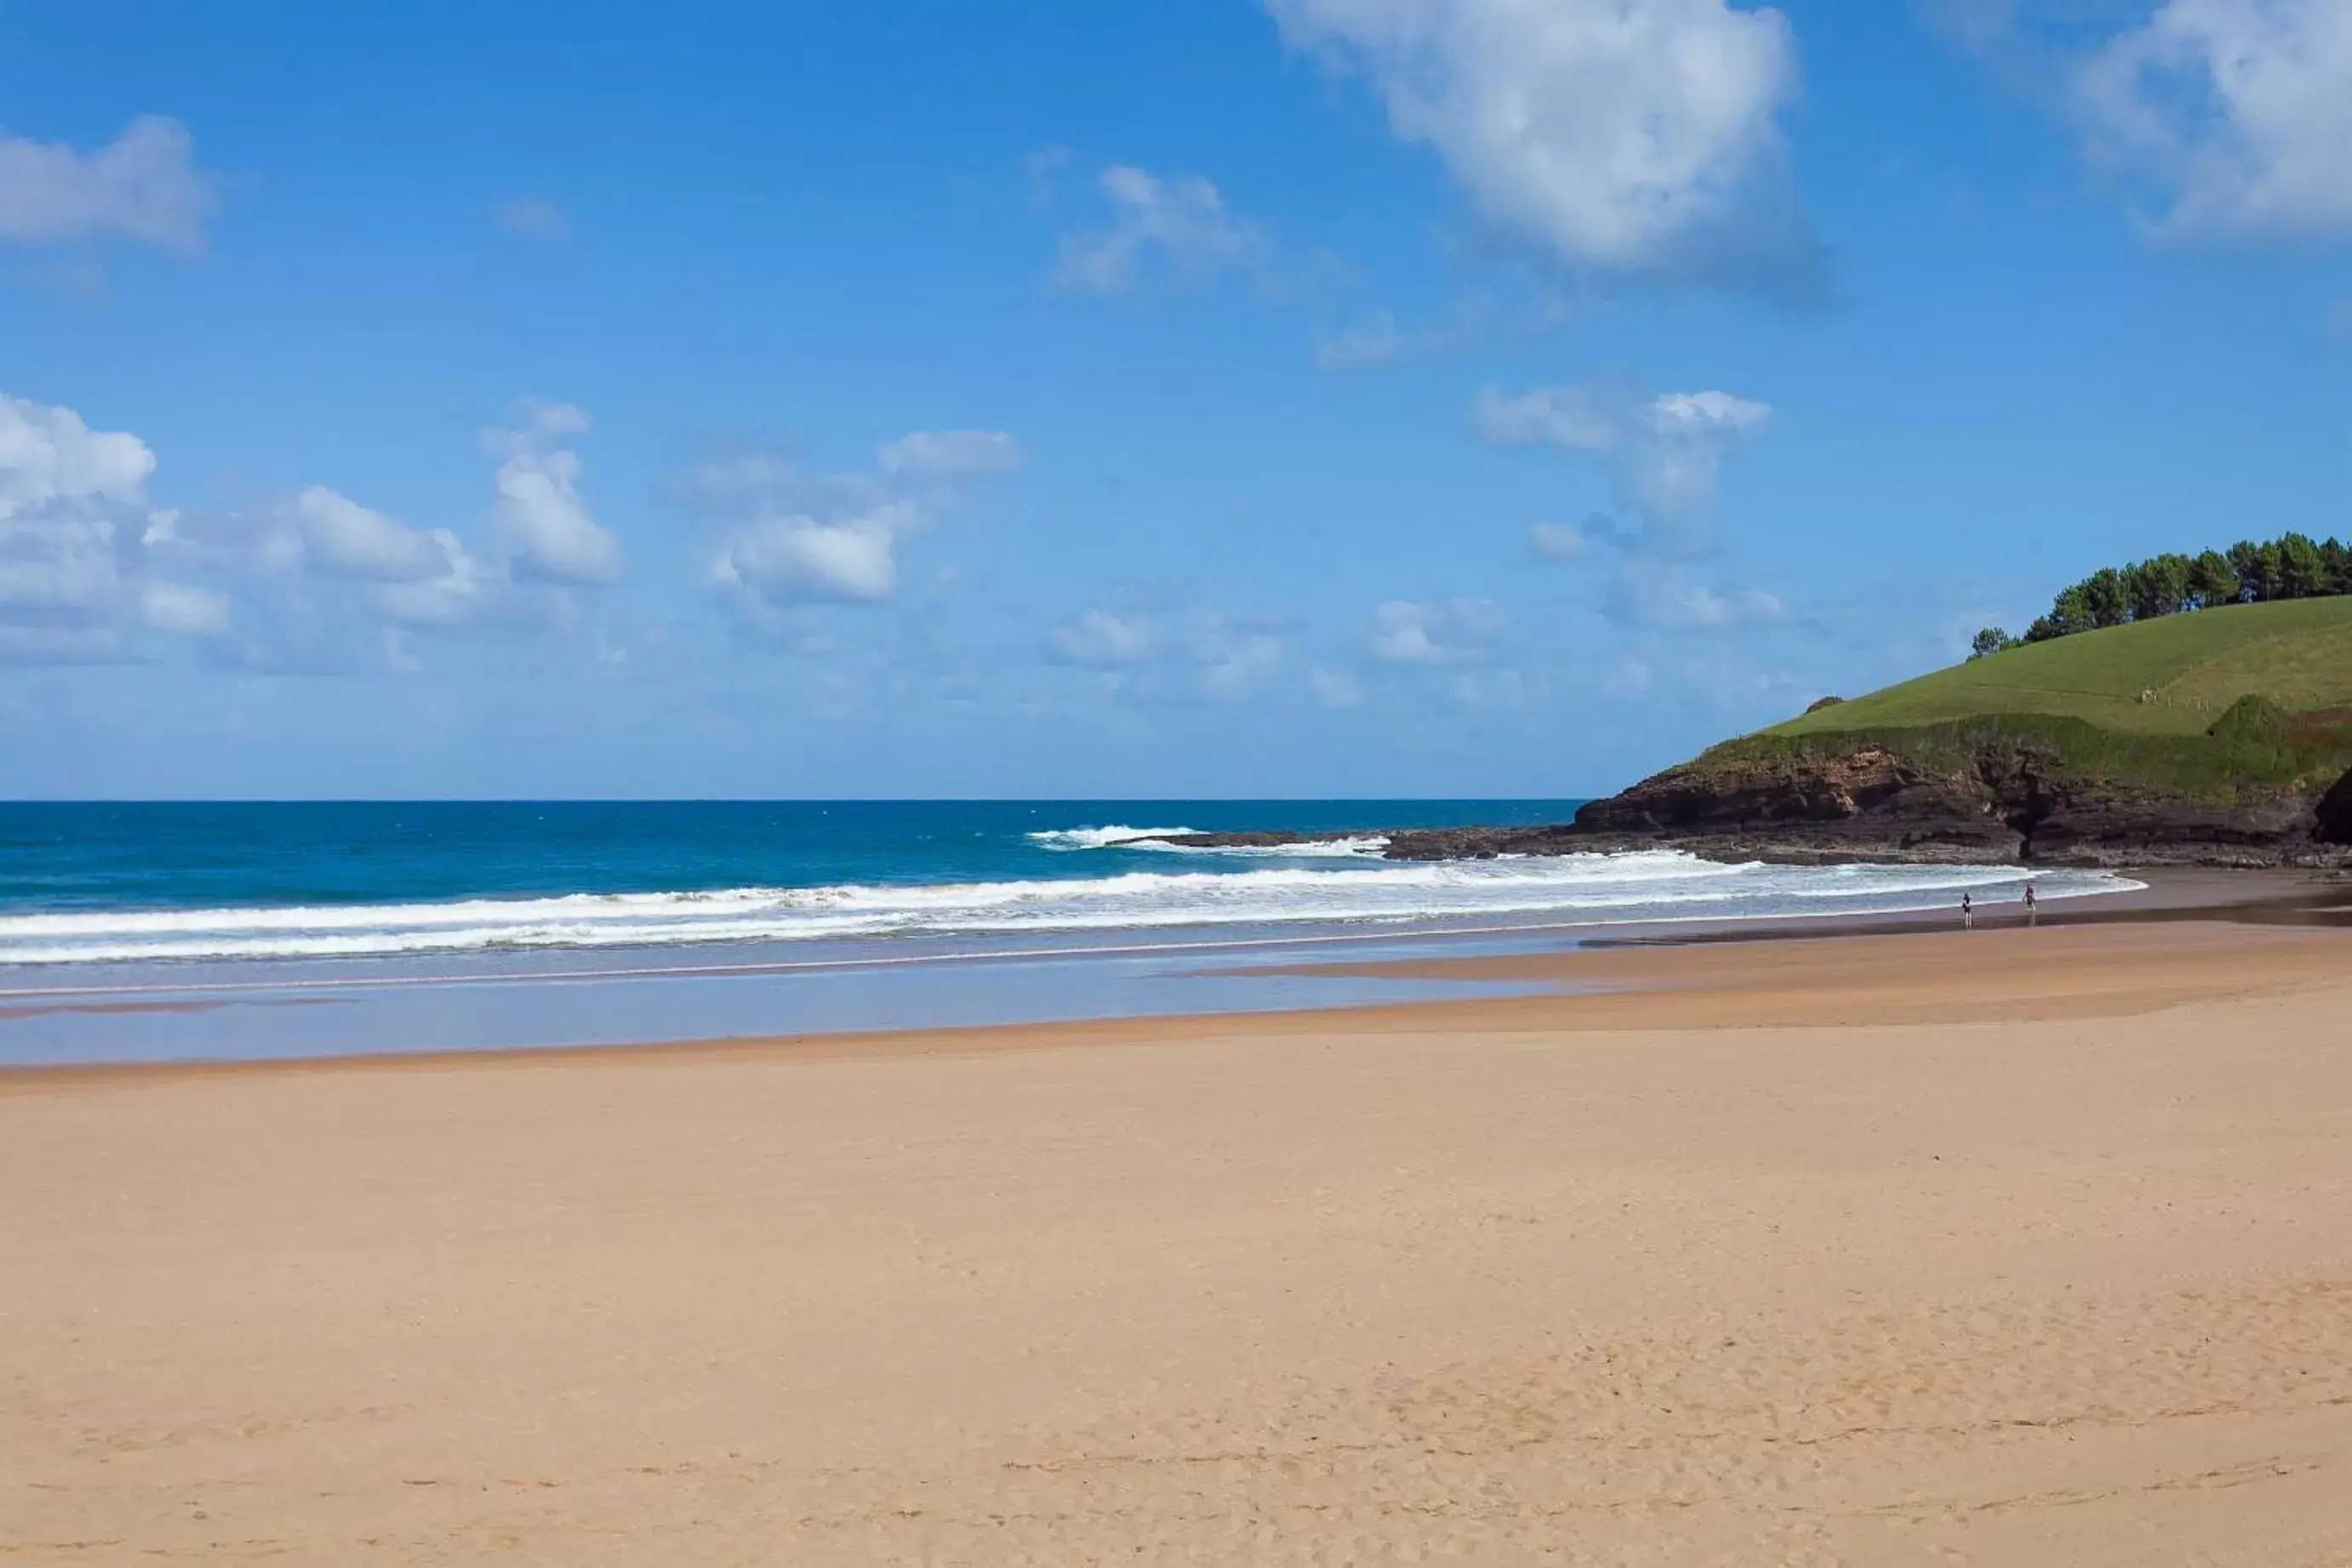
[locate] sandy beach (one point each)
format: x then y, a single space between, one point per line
2002 1247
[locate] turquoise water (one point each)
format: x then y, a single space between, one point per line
172 856
156 931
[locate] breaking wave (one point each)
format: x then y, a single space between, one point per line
1349 886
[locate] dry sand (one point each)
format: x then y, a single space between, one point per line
2010 1248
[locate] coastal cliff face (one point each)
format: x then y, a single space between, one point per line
2004 798
2048 796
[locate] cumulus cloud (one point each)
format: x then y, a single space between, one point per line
1104 640
459 591
144 185
784 537
539 516
75 577
184 610
1635 138
344 536
50 457
1174 230
949 454
533 218
1665 453
799 560
2239 111
1437 631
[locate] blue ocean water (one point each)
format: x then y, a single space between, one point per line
106 856
84 884
151 931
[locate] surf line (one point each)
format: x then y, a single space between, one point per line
795 966
780 966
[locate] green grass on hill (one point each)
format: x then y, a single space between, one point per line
2173 677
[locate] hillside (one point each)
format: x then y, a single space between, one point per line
2169 677
2222 736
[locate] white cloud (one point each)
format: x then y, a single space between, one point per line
142 186
1434 632
1104 640
1559 542
62 489
344 536
184 610
949 454
74 531
533 218
798 560
1665 453
456 592
47 456
1629 137
2241 110
787 537
539 516
58 567
1175 228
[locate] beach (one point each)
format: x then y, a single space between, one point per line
2006 1247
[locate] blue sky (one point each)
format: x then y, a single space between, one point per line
1314 397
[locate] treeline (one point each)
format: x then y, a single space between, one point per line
2294 566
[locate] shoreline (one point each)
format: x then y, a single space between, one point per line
2006 1246
1572 985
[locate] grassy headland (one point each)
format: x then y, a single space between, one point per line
2223 734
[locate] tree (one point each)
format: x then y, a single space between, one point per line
2158 586
2070 612
2212 580
1988 642
2103 593
2302 574
2338 559
2257 569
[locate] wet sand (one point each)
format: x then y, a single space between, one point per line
2002 1247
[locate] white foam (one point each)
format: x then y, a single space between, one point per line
1648 886
1098 838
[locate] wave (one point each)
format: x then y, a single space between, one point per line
1150 840
1104 838
1655 884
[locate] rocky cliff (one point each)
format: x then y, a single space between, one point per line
2001 798
1956 794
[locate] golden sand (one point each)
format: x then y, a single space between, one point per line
2010 1248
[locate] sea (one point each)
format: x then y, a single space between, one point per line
174 931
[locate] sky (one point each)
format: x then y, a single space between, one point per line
1355 397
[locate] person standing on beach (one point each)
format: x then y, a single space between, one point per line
1967 913
2031 914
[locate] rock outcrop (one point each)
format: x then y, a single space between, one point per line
2003 800
2007 800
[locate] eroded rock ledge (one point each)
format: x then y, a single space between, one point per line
2006 802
